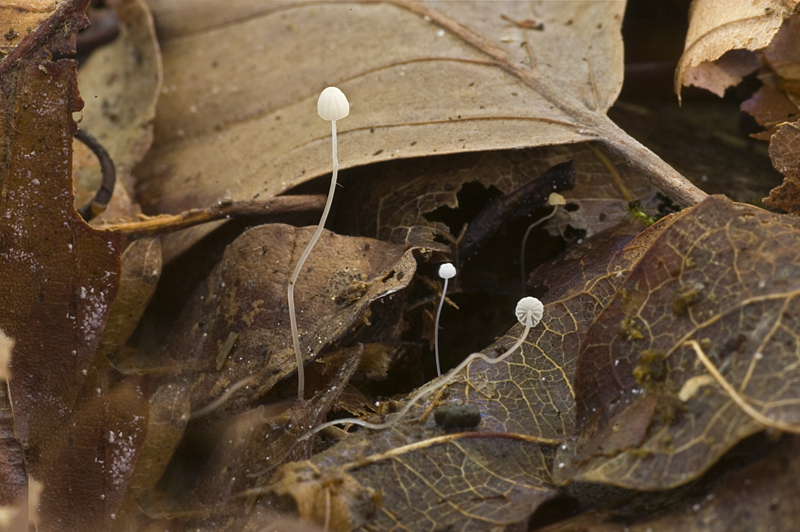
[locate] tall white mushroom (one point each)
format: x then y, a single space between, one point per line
446 271
332 105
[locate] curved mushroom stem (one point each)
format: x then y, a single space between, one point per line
428 388
292 316
525 242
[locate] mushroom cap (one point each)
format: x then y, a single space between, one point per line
332 104
447 271
556 199
529 311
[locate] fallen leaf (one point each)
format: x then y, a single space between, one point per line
121 83
13 474
20 18
246 296
723 274
526 405
88 462
716 28
755 498
139 273
58 276
784 148
402 65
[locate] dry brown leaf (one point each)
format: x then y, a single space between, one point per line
717 27
756 498
89 461
245 297
139 273
723 274
401 206
784 148
425 476
58 276
422 78
13 475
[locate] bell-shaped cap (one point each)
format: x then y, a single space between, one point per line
447 271
332 104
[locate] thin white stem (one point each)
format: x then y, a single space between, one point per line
436 330
525 242
223 398
428 388
299 266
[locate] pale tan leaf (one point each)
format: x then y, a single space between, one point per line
422 78
120 84
717 27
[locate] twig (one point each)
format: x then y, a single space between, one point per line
168 223
101 198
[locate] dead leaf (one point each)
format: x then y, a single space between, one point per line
716 28
723 274
402 65
121 84
526 405
58 276
88 462
784 148
13 474
754 498
21 18
139 274
246 295
416 485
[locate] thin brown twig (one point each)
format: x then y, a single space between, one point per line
168 223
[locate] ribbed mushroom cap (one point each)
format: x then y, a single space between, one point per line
529 311
332 104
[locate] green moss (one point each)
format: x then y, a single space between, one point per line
628 329
685 296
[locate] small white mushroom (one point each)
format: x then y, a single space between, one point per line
555 199
529 312
446 271
332 105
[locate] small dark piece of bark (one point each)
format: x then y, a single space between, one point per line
514 205
100 200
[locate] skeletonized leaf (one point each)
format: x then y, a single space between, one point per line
526 405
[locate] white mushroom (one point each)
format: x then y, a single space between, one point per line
332 105
446 271
555 199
